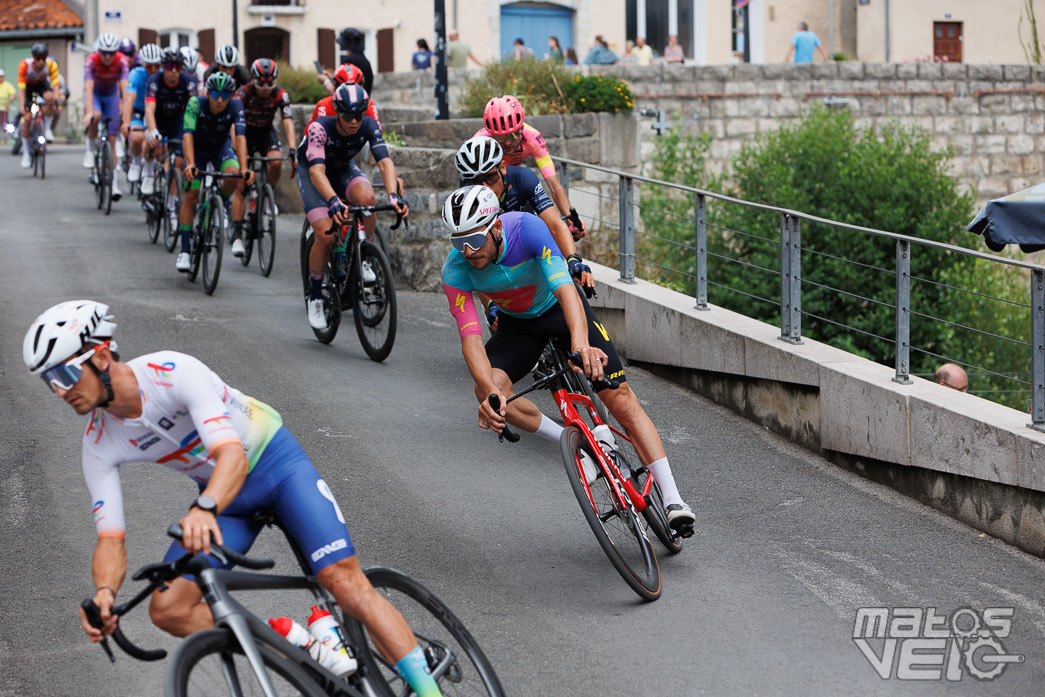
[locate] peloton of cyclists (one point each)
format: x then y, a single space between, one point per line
206 140
261 99
344 75
133 122
105 82
167 95
226 60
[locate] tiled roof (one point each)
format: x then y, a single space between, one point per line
27 15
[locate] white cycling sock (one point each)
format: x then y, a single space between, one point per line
549 430
48 120
661 471
89 145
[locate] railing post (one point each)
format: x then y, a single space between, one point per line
627 231
564 178
790 279
903 312
702 251
1037 342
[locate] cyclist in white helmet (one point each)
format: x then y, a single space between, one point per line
226 59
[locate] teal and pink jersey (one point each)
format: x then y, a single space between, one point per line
521 282
188 412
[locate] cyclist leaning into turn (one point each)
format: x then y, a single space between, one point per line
326 174
167 95
261 99
512 259
207 139
37 76
169 408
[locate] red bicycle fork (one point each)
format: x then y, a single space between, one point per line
566 401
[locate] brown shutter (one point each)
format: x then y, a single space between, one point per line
327 52
385 51
147 36
206 45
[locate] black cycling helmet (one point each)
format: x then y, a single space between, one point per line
172 56
264 70
220 82
351 99
40 50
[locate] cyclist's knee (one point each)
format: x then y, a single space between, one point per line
172 609
362 194
348 584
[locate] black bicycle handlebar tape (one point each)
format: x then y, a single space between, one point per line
610 383
508 433
235 557
134 651
94 618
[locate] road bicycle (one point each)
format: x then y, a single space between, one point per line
164 203
260 224
102 172
37 139
617 494
242 655
371 296
208 222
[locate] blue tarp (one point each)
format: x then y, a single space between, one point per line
1018 218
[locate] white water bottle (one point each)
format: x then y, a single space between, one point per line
325 629
604 435
299 636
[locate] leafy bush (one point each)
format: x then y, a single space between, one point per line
301 83
545 87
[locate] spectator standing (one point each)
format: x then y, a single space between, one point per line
458 52
353 42
600 53
571 57
7 93
629 57
422 58
521 51
554 50
951 375
643 52
803 43
673 51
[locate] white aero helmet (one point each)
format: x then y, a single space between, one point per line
227 56
150 54
107 42
470 207
478 156
63 331
192 58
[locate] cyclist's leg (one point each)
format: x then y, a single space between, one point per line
273 149
319 218
513 350
360 192
49 111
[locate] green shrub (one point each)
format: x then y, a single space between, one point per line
301 84
598 93
536 84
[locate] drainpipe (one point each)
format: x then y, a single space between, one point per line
831 24
887 54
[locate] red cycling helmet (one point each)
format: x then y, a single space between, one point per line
503 115
348 74
264 70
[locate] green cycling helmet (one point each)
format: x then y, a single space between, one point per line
220 82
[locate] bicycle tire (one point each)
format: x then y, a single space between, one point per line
654 513
249 231
204 662
153 216
195 248
619 531
106 178
374 307
305 250
170 226
331 297
96 174
213 246
265 220
444 639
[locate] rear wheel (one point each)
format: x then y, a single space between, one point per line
249 231
153 216
214 223
105 175
172 196
265 215
618 528
454 658
374 303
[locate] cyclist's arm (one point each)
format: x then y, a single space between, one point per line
558 194
21 98
150 113
288 119
315 154
88 98
108 569
128 107
52 71
388 176
594 359
187 151
192 112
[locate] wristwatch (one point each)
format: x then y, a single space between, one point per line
205 503
576 256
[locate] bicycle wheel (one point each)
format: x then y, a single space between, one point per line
212 662
618 528
172 193
330 293
455 659
374 303
105 175
305 250
214 223
265 221
249 231
654 514
196 247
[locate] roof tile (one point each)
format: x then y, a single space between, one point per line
36 14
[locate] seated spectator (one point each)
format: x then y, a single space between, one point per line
953 376
422 58
629 57
600 53
643 52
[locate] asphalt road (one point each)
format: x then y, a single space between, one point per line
761 601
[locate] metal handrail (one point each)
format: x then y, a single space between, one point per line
790 300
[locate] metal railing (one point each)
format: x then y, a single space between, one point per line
792 281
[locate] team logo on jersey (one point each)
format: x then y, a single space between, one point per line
218 420
191 446
166 424
97 424
602 330
147 442
164 370
96 511
459 303
546 255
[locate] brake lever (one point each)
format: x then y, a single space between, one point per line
94 618
506 432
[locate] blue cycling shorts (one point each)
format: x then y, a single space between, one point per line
285 481
109 105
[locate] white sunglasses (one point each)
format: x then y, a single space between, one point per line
474 241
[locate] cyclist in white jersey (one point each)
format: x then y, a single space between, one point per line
171 409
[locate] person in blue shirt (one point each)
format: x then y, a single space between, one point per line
803 43
133 120
422 58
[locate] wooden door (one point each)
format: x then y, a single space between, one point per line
385 51
947 41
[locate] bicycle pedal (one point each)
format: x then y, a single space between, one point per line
684 531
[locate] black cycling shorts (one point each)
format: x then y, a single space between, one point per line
518 342
262 141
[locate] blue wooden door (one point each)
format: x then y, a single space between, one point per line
534 24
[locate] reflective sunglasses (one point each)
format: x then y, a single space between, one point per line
487 179
353 116
265 83
508 137
172 66
108 54
474 241
223 94
68 374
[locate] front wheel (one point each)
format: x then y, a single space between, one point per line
456 661
265 221
330 293
105 174
212 662
618 528
213 223
172 194
373 300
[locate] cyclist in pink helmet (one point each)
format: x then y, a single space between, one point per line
503 121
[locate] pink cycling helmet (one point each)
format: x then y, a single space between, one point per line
503 115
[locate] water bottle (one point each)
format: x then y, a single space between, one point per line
253 201
299 636
340 262
323 626
604 435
